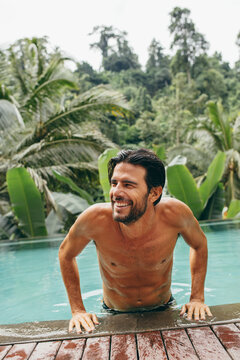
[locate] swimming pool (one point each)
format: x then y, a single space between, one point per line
32 288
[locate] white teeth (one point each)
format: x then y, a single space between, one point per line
121 204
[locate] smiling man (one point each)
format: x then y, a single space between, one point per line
135 236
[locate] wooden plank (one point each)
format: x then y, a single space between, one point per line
45 350
150 346
178 345
206 344
3 350
71 350
229 335
123 347
20 351
97 348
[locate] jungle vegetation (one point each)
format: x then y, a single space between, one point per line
55 123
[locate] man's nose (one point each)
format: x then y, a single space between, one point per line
117 190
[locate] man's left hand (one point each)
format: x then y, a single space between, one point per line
195 310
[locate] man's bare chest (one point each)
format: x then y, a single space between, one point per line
147 253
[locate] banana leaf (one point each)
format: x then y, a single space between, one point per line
70 202
26 202
159 151
214 175
54 224
215 204
234 209
182 186
83 194
103 160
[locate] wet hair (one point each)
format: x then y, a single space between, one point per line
155 171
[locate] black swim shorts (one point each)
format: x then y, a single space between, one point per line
163 307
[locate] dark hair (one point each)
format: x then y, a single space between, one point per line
155 175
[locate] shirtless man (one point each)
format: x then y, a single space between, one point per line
135 236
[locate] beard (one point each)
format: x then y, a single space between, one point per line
134 214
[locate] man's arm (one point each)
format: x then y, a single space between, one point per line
72 245
195 238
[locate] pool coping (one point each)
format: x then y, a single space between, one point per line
115 324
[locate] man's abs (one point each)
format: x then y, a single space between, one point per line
136 289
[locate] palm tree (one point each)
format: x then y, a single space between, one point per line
42 125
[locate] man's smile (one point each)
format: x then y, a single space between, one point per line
121 204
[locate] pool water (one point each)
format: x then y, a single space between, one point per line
32 288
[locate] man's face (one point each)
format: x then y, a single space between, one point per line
129 193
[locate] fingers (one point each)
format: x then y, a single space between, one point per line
196 311
190 312
183 310
83 320
95 319
202 314
87 324
208 311
71 326
78 327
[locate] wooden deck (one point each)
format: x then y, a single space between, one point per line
211 342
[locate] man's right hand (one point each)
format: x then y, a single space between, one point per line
83 319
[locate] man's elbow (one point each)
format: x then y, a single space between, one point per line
63 254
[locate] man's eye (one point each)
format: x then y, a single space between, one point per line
128 185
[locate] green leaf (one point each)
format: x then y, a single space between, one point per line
103 160
159 151
26 202
234 209
214 175
215 204
84 194
182 185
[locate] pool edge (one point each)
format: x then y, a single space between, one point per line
115 324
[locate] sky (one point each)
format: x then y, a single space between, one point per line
68 23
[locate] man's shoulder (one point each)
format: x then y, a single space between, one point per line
97 212
91 221
172 204
174 211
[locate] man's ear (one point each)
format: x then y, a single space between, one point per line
155 193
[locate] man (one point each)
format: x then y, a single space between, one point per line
135 237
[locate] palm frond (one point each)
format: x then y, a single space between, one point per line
221 123
43 188
51 70
9 116
89 106
48 90
18 72
71 170
60 151
204 127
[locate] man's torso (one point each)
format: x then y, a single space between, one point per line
136 272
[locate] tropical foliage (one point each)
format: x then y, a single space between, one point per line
55 122
47 139
198 197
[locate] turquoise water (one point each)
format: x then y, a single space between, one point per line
32 288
